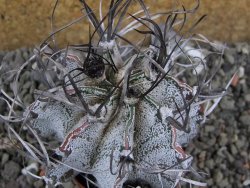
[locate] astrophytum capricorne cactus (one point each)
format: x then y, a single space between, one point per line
118 109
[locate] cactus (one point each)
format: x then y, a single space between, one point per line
119 110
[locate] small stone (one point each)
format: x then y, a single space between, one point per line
212 142
24 92
223 139
235 138
209 128
220 152
246 182
42 87
68 185
240 144
30 179
25 55
201 164
210 163
241 103
210 182
22 181
244 154
202 155
28 99
25 76
18 58
38 184
201 145
2 104
26 85
5 158
247 97
12 183
245 49
229 157
224 183
1 57
9 56
241 72
233 149
10 171
227 103
229 57
238 164
245 119
218 176
242 48
223 167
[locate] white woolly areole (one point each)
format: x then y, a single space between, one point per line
127 153
108 45
165 112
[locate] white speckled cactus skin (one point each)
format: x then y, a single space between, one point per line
119 112
136 129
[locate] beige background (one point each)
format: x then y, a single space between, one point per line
27 22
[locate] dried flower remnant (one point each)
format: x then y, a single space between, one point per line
118 109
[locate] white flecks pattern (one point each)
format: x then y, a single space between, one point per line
132 139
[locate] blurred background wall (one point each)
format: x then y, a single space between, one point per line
27 22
